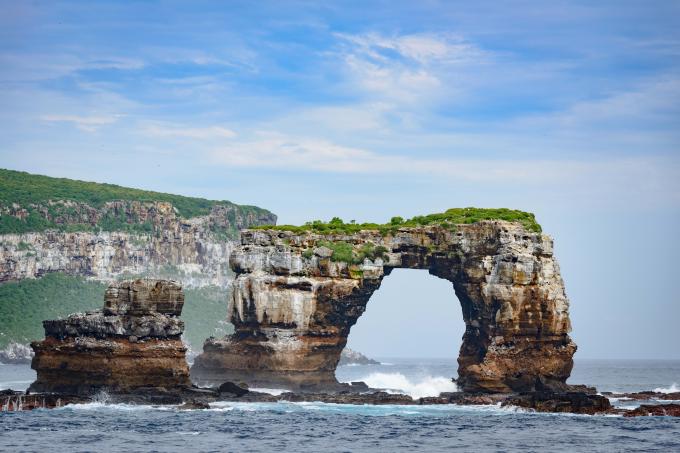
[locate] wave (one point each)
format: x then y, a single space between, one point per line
397 382
672 389
98 406
275 392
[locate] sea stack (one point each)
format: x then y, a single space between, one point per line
297 294
132 343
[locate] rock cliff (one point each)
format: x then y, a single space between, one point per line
298 293
150 238
132 343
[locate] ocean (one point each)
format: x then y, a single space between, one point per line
250 427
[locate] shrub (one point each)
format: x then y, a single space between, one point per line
448 219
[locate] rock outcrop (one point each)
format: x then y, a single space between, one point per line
656 410
132 343
351 357
297 294
149 238
567 402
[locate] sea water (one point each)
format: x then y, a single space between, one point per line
246 427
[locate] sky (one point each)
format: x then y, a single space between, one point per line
367 110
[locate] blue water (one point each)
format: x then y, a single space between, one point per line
330 427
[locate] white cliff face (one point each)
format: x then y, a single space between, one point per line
192 250
273 302
105 256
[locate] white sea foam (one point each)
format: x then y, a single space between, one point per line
96 406
275 392
672 389
397 382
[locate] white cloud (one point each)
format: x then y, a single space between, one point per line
200 133
406 68
85 123
34 67
612 175
422 48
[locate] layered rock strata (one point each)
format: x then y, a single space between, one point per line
149 238
133 342
296 296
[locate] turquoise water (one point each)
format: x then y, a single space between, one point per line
331 427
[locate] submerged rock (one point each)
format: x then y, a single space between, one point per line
644 396
194 405
672 410
133 343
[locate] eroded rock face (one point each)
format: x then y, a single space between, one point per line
133 342
173 245
293 305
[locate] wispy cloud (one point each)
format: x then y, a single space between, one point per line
281 152
424 48
200 133
406 68
85 123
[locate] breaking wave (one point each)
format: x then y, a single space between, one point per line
672 389
397 382
275 392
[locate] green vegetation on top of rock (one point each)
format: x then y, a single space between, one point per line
36 194
345 252
450 218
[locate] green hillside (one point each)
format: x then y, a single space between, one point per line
34 192
25 304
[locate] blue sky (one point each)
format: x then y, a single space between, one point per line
372 109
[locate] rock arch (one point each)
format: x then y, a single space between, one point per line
294 301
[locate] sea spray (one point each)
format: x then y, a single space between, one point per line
672 389
397 382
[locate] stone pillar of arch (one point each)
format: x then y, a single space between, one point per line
293 304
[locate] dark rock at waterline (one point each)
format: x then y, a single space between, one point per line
11 400
644 396
193 405
462 398
672 410
200 398
359 386
234 389
376 398
571 402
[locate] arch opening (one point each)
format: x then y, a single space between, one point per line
413 326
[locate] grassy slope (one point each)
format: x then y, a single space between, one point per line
26 189
450 218
24 305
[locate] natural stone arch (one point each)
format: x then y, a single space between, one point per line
293 305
